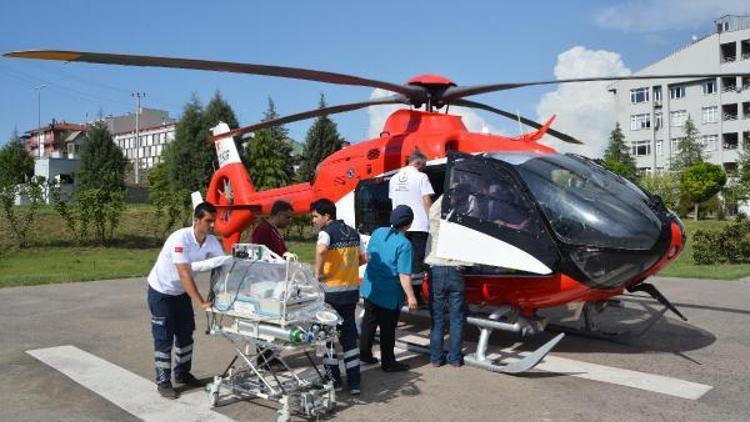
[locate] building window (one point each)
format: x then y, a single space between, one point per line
659 147
709 142
710 114
639 95
678 118
640 121
641 148
676 92
676 144
709 87
658 120
657 95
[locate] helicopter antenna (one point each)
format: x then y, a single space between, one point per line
518 118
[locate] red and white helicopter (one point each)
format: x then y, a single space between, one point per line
582 233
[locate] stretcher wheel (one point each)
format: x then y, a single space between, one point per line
282 416
214 398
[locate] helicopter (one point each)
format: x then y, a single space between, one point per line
582 234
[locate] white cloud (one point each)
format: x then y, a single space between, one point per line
379 114
660 15
585 110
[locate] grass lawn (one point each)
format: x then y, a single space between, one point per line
685 267
54 258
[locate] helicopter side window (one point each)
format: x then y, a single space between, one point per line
372 204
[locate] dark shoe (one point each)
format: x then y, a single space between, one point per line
189 380
368 359
437 364
456 364
395 367
166 391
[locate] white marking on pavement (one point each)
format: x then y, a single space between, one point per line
591 371
642 380
134 394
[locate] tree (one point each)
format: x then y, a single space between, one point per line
270 154
322 140
100 156
189 158
666 186
743 174
101 192
617 158
700 182
689 150
16 164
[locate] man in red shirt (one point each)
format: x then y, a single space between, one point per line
267 231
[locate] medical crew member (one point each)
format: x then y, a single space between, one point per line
170 289
338 255
411 187
387 280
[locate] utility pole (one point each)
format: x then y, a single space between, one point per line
138 96
40 140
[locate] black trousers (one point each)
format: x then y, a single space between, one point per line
386 319
418 247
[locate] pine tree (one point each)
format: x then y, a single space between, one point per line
617 158
689 150
322 140
16 164
103 166
189 158
101 193
270 154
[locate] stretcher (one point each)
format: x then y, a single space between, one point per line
272 312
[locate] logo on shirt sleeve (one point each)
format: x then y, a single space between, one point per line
178 249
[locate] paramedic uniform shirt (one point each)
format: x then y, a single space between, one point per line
181 247
408 187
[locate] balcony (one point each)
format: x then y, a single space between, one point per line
730 141
729 112
728 52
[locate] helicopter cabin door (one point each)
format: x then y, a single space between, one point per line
487 217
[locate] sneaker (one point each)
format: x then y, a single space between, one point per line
395 367
456 364
368 359
437 364
167 391
355 391
189 380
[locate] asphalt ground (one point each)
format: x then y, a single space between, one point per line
110 319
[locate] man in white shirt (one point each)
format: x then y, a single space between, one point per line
170 289
411 187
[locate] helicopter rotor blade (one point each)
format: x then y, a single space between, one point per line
393 99
454 93
219 66
528 122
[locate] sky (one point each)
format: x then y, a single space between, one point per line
470 42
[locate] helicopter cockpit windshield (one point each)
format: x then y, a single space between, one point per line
586 204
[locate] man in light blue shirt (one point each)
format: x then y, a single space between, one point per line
387 279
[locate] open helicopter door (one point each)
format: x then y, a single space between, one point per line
489 218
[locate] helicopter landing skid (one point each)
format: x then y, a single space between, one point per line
592 330
479 359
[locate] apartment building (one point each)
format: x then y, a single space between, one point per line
652 113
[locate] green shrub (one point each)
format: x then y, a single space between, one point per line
705 247
730 245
